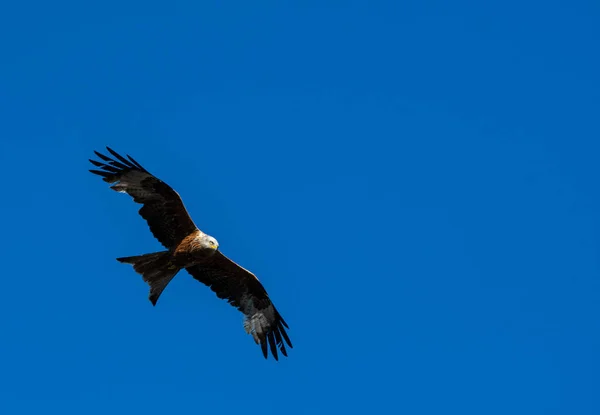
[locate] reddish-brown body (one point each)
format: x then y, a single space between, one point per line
190 251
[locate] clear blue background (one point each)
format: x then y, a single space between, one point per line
415 183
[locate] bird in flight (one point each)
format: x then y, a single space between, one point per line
187 247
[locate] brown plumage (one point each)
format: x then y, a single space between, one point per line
190 248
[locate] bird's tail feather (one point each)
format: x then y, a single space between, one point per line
156 269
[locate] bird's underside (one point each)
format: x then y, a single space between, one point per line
187 247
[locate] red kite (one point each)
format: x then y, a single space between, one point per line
190 248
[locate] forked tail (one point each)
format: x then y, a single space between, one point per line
156 269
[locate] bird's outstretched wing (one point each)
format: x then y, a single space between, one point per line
162 207
244 291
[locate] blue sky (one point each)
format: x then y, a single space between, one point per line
415 183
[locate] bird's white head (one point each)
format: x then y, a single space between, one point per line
209 242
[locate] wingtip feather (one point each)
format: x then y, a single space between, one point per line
280 342
263 346
104 174
271 338
102 156
285 336
138 165
120 157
